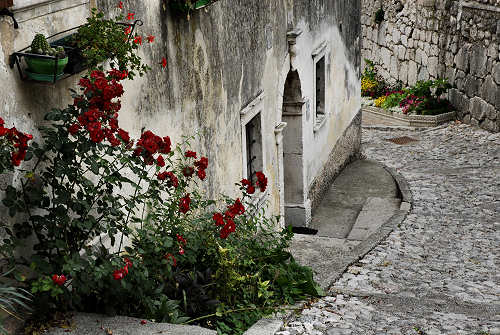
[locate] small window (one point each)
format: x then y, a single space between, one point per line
320 88
320 63
253 147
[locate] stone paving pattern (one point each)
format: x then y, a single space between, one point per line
438 272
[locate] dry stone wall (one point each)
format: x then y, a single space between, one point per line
429 39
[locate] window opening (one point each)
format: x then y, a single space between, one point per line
254 147
320 87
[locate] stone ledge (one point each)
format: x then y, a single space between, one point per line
411 120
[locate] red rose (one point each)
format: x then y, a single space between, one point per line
245 182
118 274
59 279
188 171
261 181
202 164
190 153
237 208
219 219
123 135
173 180
181 239
170 256
250 189
201 174
184 204
160 161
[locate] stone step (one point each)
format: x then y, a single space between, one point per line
375 212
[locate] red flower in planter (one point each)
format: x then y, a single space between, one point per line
120 4
164 62
184 204
59 279
138 40
150 38
128 30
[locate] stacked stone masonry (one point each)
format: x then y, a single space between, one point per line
429 39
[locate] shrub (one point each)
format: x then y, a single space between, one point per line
93 188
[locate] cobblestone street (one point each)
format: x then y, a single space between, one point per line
438 272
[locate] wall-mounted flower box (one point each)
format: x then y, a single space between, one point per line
46 67
187 6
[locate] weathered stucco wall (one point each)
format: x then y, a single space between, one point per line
455 39
219 61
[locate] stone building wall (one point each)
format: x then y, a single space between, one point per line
225 63
428 39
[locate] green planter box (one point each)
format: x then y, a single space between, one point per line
45 65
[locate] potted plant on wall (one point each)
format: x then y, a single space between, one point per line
187 6
102 39
45 62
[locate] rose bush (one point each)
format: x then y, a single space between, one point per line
120 226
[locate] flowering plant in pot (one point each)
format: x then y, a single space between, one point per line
102 39
187 6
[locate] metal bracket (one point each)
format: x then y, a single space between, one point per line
6 12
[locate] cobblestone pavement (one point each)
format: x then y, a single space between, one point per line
439 271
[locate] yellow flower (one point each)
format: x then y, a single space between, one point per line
380 101
367 84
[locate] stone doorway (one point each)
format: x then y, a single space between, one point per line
293 164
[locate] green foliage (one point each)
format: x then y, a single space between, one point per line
379 15
102 39
394 99
430 88
372 85
186 6
13 299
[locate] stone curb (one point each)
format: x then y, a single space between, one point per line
269 326
388 128
381 234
